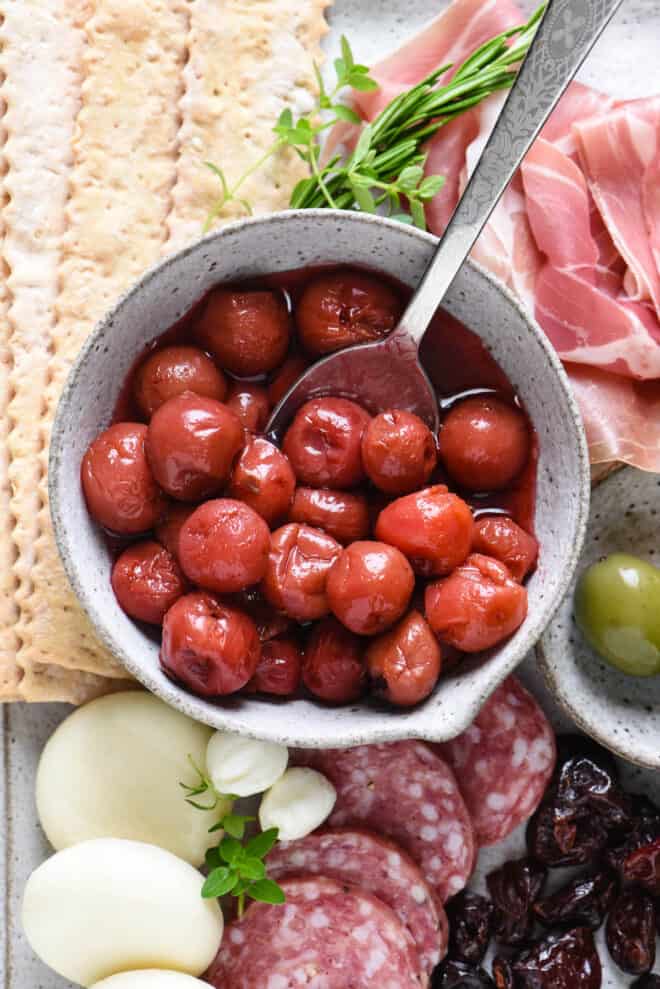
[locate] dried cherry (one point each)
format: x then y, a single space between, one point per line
561 961
643 867
647 982
586 789
584 901
630 932
644 831
470 918
457 975
570 746
589 838
502 973
513 889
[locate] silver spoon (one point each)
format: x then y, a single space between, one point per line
387 372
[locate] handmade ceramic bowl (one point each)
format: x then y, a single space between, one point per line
621 712
281 242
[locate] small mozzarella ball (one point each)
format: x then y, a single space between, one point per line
151 978
298 803
109 905
243 766
112 770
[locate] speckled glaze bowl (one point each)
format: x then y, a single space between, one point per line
621 712
278 243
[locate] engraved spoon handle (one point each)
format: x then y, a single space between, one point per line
564 37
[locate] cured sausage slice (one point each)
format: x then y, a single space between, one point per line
504 761
327 935
406 792
381 868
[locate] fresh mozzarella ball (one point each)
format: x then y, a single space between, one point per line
151 978
297 804
110 905
243 766
112 770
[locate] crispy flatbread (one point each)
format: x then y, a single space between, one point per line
247 62
105 173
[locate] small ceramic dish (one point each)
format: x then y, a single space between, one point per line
282 242
621 712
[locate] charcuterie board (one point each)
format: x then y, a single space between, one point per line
373 29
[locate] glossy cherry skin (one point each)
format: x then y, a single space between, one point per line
168 529
169 372
484 443
432 527
247 332
404 664
118 483
299 561
147 581
369 587
285 376
342 514
224 546
191 445
344 307
324 443
262 478
333 669
279 668
210 647
250 404
477 606
398 452
502 538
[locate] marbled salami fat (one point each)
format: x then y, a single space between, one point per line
327 935
405 792
503 761
380 867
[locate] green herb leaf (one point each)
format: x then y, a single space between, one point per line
261 844
266 891
252 868
234 824
212 858
340 69
219 882
229 849
364 84
364 199
410 178
430 186
343 112
417 213
346 53
363 145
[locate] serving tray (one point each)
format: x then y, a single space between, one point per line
373 27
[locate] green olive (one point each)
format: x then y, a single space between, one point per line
617 607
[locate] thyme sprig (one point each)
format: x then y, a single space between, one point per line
385 172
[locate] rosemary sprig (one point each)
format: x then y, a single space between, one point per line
234 867
385 171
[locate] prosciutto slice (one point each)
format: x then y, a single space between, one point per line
576 235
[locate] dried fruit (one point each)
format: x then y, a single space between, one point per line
458 975
630 932
470 917
647 982
643 867
583 901
565 961
502 973
589 839
513 888
586 789
644 831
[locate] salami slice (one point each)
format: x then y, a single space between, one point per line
381 868
406 792
504 761
325 936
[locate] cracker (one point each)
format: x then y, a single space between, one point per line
129 56
230 104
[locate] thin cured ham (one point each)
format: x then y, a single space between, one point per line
576 235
